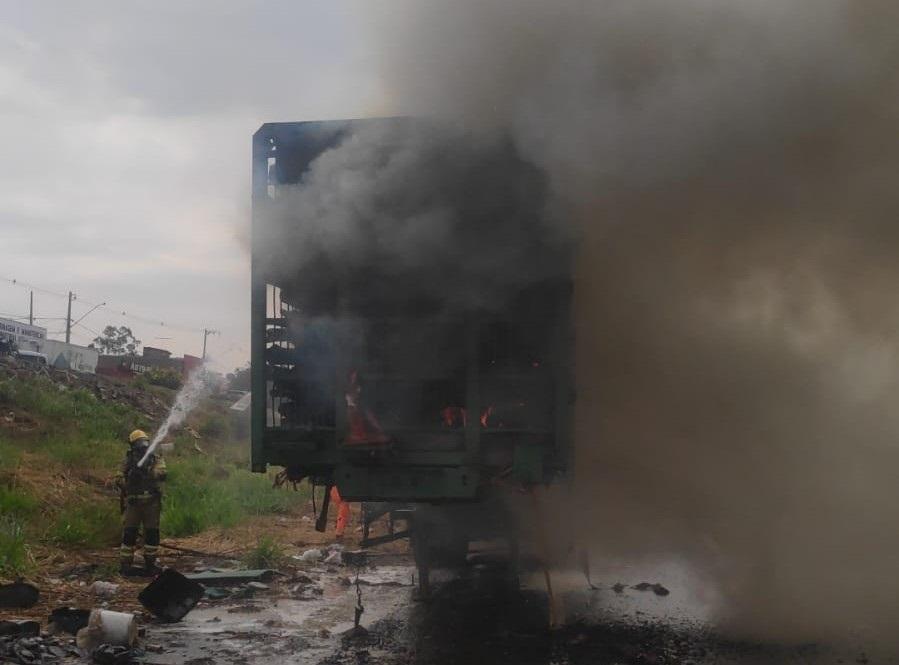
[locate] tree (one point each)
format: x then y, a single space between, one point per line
239 379
116 341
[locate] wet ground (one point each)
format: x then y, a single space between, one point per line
478 616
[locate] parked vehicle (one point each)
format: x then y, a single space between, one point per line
32 358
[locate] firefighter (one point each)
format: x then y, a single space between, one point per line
141 492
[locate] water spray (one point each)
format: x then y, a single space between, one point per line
196 387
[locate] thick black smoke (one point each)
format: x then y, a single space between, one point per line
732 168
414 215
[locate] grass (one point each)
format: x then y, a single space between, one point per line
201 493
79 432
9 454
86 525
14 558
16 503
267 553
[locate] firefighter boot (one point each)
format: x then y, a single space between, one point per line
126 550
150 564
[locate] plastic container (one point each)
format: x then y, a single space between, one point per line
106 627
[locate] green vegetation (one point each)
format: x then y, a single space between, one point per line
167 378
73 431
16 503
13 549
268 553
216 426
9 454
86 525
201 493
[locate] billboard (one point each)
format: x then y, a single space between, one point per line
26 337
70 356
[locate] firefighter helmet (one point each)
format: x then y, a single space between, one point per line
137 435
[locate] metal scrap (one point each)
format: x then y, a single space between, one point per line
226 576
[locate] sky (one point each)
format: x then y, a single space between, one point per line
126 132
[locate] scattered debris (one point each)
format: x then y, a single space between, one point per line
216 593
248 608
19 628
187 550
334 558
67 620
103 589
618 587
226 576
107 654
171 595
310 556
32 649
257 586
19 594
656 588
355 558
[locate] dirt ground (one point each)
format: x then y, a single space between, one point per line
481 614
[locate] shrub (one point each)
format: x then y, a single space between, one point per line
168 378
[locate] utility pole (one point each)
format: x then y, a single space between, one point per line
206 333
31 309
69 318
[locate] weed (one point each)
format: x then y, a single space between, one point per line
267 553
14 558
86 525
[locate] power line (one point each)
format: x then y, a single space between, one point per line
107 306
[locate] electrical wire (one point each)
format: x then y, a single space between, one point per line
109 307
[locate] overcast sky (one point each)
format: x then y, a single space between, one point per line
126 151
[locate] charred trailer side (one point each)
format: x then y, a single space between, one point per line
418 381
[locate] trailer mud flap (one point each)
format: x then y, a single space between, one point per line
413 483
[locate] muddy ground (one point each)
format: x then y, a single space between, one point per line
481 614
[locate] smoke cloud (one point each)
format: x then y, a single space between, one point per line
730 170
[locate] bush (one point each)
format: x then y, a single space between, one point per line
268 553
167 378
14 559
88 525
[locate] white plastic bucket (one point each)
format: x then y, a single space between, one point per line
106 627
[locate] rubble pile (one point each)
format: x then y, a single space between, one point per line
32 648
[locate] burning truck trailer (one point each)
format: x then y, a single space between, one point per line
388 381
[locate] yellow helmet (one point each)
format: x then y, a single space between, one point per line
137 435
